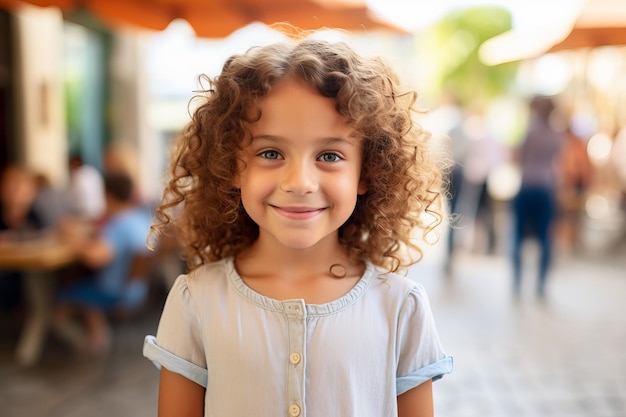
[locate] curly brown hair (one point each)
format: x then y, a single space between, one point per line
404 179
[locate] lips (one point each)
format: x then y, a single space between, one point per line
298 213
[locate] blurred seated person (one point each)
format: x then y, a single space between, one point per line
18 189
87 189
18 220
51 203
123 157
109 254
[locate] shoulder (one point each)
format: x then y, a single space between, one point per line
397 282
206 278
130 220
196 292
136 214
89 174
197 283
399 289
141 216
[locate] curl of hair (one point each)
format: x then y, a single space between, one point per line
403 178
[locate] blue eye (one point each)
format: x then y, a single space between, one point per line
329 157
269 154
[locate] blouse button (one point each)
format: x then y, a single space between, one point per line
294 410
294 358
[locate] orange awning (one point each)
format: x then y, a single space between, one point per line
219 18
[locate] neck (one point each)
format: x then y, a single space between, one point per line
117 207
281 273
266 259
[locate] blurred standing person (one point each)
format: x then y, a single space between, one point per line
459 148
87 189
576 175
483 156
448 120
618 159
534 207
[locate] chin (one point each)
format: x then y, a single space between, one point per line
297 243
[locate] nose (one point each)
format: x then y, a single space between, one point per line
299 178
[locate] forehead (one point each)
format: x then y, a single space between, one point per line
295 108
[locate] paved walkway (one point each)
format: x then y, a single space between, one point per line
564 356
123 384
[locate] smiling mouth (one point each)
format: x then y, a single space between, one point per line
298 213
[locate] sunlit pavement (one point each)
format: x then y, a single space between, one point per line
562 356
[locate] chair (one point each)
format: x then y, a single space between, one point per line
139 275
141 266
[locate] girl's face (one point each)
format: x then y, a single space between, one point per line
301 171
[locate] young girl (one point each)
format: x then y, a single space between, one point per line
297 186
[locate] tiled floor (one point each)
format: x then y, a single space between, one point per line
564 356
62 385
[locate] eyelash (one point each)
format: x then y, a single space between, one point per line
336 157
264 154
276 155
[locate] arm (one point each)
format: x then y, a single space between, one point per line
97 253
417 402
179 396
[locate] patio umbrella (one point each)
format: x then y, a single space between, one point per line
219 18
582 24
600 23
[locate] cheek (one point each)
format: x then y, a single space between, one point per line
252 188
247 181
345 190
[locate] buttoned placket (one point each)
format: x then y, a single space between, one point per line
296 318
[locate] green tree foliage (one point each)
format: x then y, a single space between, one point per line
452 44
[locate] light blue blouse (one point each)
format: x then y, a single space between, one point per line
263 357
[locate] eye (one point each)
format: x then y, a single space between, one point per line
269 154
329 157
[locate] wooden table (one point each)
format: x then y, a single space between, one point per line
37 258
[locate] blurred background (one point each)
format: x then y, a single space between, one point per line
110 81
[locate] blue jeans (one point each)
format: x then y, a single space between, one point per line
534 209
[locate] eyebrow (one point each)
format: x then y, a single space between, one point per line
325 141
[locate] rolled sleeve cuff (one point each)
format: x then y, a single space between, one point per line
162 358
434 371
